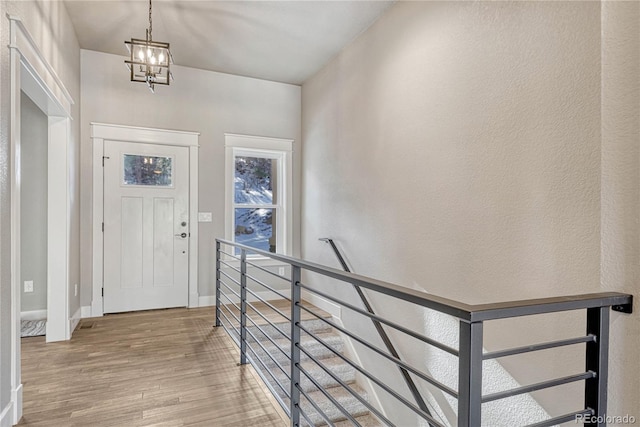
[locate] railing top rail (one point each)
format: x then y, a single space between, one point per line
467 312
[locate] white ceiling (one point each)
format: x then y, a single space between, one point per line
284 41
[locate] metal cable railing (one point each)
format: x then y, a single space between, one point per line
291 348
377 323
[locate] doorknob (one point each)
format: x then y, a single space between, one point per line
183 235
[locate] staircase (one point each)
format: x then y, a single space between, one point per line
280 348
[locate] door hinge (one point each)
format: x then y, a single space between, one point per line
102 291
103 227
104 157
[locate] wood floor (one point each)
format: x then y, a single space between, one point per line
153 368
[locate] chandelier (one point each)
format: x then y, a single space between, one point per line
149 60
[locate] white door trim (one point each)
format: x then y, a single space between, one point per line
31 72
101 134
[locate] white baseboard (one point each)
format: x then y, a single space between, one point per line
16 399
6 416
85 311
96 307
33 315
210 300
206 300
73 322
322 303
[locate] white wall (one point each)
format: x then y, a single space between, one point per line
33 204
50 26
202 101
620 195
455 147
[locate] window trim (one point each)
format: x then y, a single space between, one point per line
276 148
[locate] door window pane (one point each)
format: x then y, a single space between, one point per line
255 180
255 228
148 170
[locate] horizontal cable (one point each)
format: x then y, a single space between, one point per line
231 278
305 416
233 337
228 265
268 304
346 387
328 396
385 321
237 343
395 360
269 354
257 357
228 254
286 279
232 315
562 418
537 347
267 336
378 382
233 304
274 393
268 321
268 287
538 386
317 408
222 282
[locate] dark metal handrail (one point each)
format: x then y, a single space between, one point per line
383 335
470 352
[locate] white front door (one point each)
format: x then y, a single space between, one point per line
146 229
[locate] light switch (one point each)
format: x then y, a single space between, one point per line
28 286
205 217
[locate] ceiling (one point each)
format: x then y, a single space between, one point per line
283 41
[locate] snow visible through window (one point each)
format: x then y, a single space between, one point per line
254 189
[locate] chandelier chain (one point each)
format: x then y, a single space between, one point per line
150 22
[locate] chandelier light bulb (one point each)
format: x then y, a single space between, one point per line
141 54
161 57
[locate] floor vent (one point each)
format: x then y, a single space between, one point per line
87 325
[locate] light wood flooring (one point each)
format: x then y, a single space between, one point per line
152 368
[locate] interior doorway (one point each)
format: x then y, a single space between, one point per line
31 74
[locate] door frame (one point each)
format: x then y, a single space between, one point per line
31 73
102 134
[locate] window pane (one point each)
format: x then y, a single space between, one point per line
147 170
255 228
255 180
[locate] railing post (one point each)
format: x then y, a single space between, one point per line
597 360
243 307
295 342
218 283
470 375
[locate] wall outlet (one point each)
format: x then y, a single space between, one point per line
281 271
28 285
75 290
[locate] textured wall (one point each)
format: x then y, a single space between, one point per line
33 204
202 101
454 147
620 226
50 26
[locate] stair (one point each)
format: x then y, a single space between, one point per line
338 367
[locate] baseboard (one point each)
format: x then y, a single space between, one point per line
322 303
85 311
16 399
73 322
96 307
33 315
6 416
210 300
